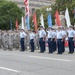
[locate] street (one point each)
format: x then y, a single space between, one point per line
28 63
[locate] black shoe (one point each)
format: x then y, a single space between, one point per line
41 52
50 52
59 53
31 51
69 52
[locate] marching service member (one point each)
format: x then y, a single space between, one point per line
42 36
32 37
49 35
22 36
60 40
71 38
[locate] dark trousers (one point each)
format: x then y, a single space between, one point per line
42 45
53 44
60 46
22 44
50 45
71 45
32 45
63 46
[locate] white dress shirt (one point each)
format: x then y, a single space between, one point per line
54 34
49 34
42 33
22 34
59 35
71 33
32 35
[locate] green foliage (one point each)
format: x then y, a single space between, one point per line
9 11
61 5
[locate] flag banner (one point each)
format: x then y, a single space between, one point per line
17 24
35 22
67 17
22 23
10 25
49 20
27 19
27 23
57 18
42 20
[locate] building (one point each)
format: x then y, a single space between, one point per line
34 4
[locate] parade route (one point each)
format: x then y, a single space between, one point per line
8 69
28 63
48 58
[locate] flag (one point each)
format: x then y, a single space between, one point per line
26 2
42 20
22 23
35 22
16 24
49 20
57 18
10 25
67 17
27 23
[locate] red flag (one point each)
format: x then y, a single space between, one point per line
35 22
16 24
57 18
26 2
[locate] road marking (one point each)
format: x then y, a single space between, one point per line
50 58
8 69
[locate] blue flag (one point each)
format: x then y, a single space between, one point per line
49 20
27 22
10 25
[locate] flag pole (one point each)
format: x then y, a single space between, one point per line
28 15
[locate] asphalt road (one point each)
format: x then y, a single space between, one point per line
27 63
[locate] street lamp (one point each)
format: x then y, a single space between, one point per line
49 9
49 16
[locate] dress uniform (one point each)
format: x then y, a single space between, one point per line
32 36
64 36
53 40
42 35
71 36
50 44
59 41
22 36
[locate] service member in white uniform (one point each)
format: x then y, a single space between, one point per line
22 36
49 35
71 38
32 37
64 36
53 40
42 36
59 41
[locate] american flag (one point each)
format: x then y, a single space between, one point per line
26 2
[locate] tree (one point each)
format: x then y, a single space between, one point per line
9 11
61 5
